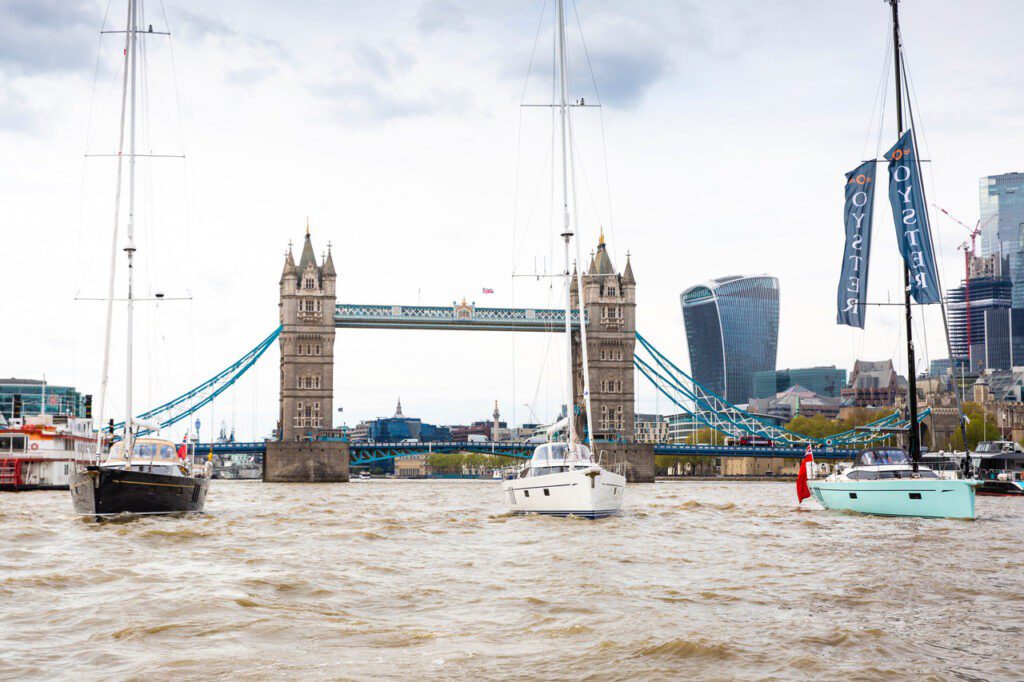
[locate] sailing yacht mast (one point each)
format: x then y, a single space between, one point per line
569 180
567 233
105 373
130 248
914 430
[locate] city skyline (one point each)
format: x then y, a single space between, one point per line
396 134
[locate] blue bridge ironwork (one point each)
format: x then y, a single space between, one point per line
463 316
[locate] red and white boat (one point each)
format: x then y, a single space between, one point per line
40 452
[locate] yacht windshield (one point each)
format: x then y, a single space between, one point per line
995 446
559 453
882 456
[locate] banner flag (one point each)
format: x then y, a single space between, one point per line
911 217
853 278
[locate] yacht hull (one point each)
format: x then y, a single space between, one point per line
1002 488
933 498
591 493
98 490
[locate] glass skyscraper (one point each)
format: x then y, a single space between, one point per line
1001 211
732 330
990 292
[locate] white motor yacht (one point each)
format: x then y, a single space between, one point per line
560 480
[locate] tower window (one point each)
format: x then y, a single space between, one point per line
310 282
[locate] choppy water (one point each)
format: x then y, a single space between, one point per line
402 579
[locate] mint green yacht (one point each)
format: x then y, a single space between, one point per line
883 481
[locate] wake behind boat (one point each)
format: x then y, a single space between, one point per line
155 479
561 480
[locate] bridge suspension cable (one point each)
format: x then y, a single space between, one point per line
719 414
186 404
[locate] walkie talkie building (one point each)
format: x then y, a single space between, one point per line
732 330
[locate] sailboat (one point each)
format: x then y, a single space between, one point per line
890 481
139 474
564 478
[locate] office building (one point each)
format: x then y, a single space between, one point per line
988 289
874 384
732 331
1001 213
650 428
34 397
824 381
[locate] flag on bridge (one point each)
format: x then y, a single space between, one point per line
802 491
488 291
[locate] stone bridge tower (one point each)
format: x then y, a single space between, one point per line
306 411
307 345
610 301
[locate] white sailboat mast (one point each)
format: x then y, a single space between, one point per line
563 110
130 248
105 374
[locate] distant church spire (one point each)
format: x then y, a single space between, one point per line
398 409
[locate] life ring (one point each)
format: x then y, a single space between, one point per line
33 446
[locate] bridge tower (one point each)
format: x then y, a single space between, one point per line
308 295
609 298
307 300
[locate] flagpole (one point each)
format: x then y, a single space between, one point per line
914 435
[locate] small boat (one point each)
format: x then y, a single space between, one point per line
155 479
364 476
884 481
1000 468
39 452
561 480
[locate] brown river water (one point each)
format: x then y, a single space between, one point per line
415 579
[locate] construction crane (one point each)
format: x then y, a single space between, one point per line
969 253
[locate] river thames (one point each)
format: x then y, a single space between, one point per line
414 579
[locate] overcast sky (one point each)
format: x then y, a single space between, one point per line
720 149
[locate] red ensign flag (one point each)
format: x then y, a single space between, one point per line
802 491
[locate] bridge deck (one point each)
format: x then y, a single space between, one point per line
458 316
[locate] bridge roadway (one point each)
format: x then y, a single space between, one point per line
456 316
364 453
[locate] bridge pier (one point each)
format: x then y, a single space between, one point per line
638 458
306 462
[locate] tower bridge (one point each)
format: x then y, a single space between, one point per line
310 316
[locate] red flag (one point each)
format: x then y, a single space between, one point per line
802 491
488 291
183 448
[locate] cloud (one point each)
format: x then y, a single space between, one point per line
384 61
46 36
442 15
199 27
249 75
367 102
16 115
375 89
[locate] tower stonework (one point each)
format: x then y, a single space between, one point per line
308 295
610 302
307 299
